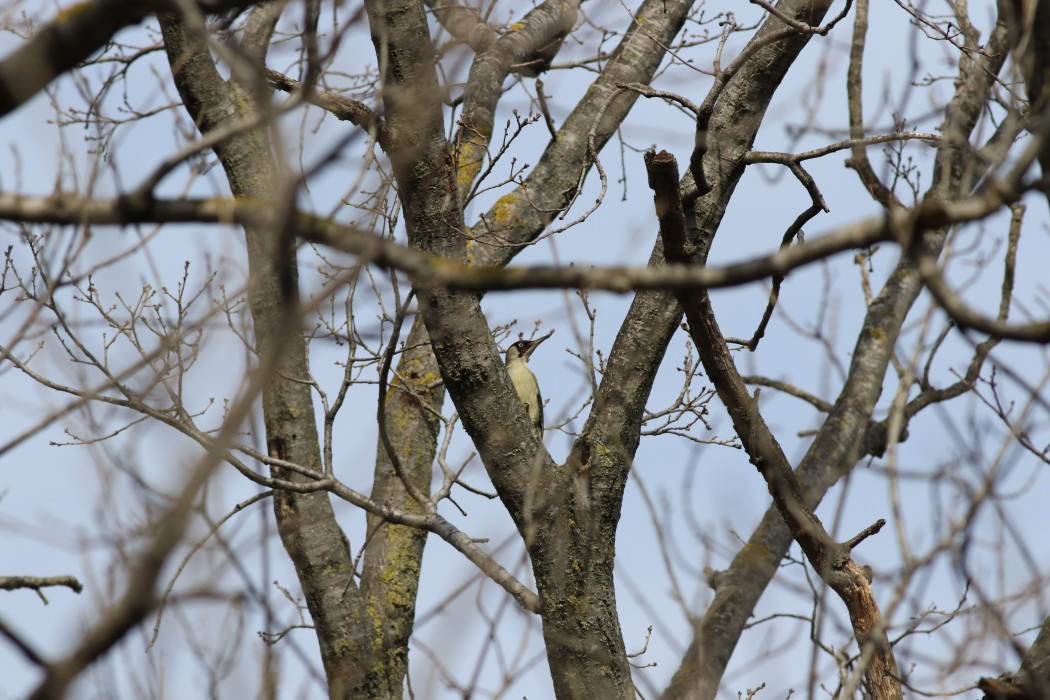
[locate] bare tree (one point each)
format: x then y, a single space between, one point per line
325 284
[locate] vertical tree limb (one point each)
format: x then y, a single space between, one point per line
305 521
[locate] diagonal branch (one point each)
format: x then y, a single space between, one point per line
342 108
536 37
463 23
831 560
839 441
70 38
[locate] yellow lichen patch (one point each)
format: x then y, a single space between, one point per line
754 555
503 210
330 568
400 576
374 610
517 26
471 156
243 103
343 648
601 457
470 245
879 335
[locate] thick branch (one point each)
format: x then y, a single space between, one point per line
521 215
70 38
838 442
306 523
528 47
585 649
428 271
342 108
464 23
831 560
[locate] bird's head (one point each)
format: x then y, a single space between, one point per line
523 349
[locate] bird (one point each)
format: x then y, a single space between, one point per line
524 380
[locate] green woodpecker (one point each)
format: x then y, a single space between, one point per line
524 380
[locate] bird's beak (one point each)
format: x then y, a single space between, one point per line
536 344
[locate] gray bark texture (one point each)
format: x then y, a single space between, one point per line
306 523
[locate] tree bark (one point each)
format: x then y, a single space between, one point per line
306 523
837 444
